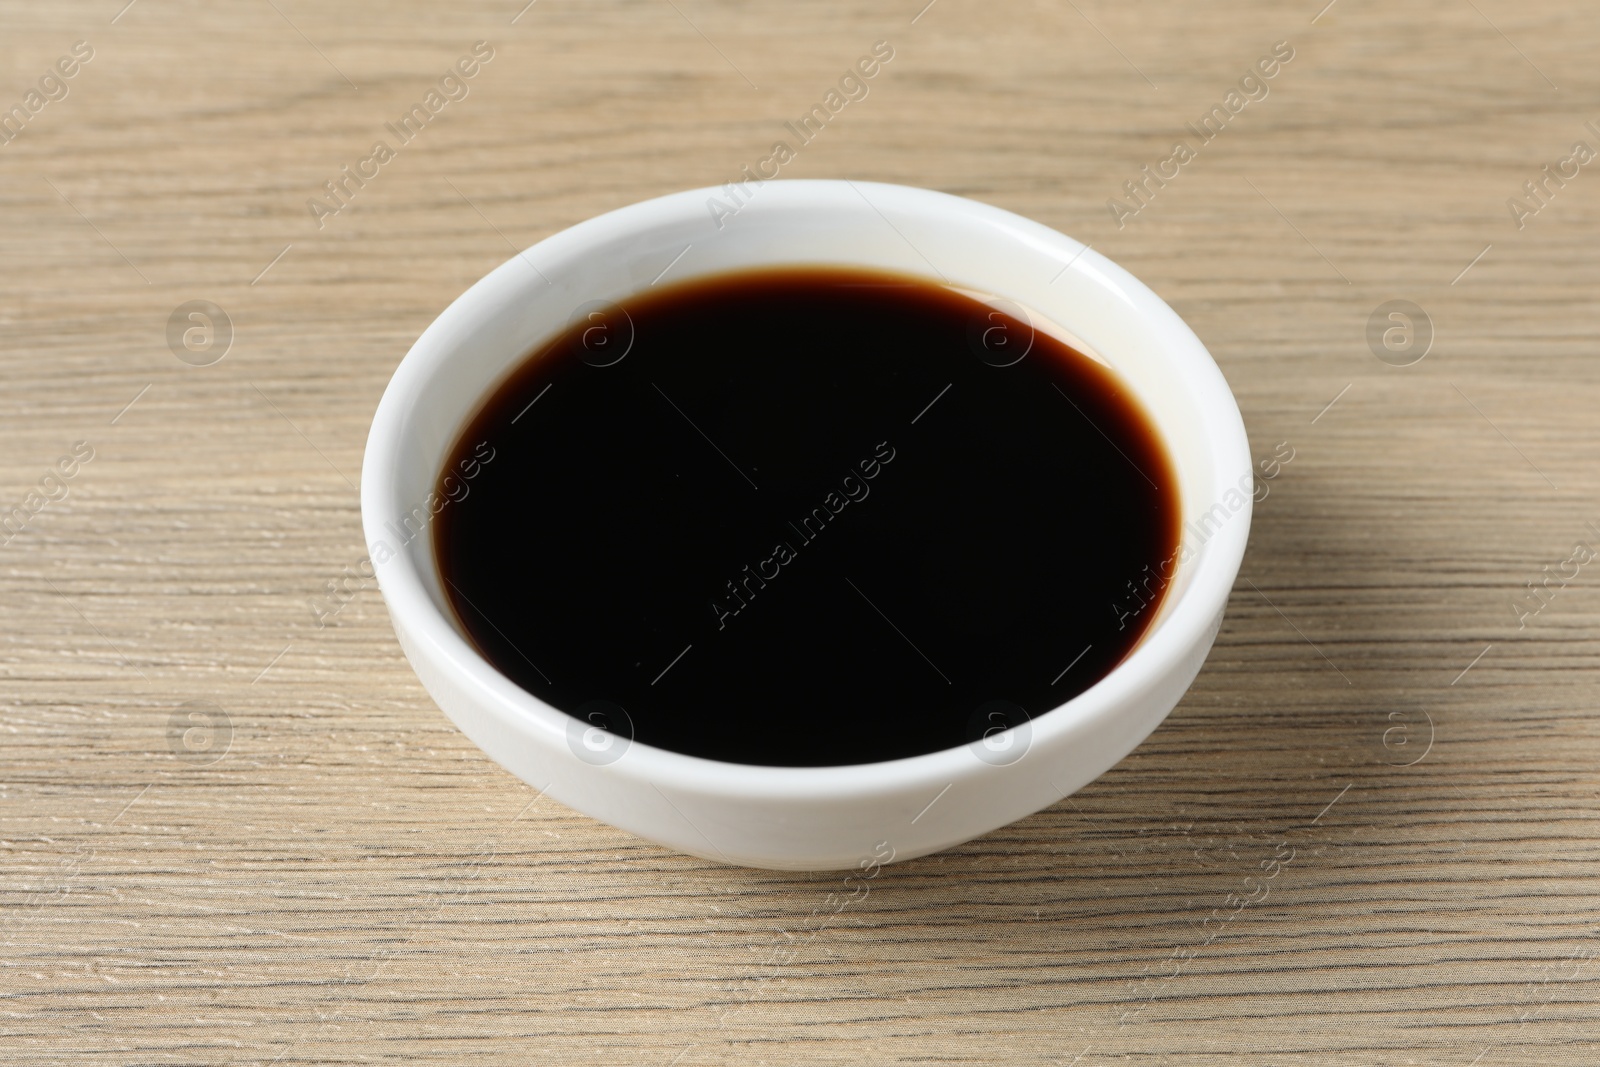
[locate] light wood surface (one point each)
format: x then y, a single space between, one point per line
352 881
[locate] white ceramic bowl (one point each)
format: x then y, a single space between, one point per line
811 818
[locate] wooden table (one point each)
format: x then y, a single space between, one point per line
230 836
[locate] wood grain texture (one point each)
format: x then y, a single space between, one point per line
354 882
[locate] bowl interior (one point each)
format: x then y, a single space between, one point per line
1064 288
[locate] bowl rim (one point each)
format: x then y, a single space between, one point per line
1183 625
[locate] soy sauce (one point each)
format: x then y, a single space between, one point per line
806 517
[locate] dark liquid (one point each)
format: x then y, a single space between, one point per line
807 517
